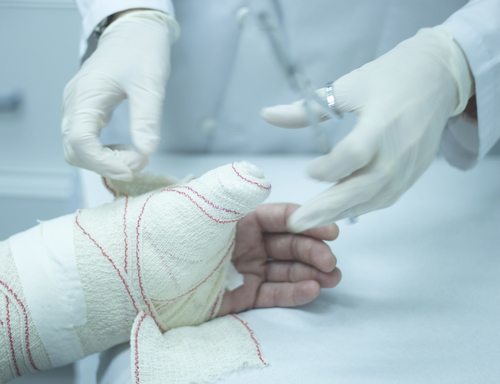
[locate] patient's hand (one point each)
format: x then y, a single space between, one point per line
281 269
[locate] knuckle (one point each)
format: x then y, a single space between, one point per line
388 171
307 249
294 246
74 139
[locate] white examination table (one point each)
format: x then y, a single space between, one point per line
420 296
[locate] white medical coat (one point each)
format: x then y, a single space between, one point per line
224 68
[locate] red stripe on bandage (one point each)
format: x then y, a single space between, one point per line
206 200
219 221
110 189
137 247
26 324
191 290
252 336
125 235
137 258
11 339
262 186
136 349
103 252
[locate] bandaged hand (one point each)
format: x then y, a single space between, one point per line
279 268
76 285
132 61
403 101
150 266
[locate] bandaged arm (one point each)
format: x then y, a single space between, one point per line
132 269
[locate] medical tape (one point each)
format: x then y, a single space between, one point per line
45 259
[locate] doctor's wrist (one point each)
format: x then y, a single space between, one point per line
99 30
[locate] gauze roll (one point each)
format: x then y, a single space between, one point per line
188 355
165 253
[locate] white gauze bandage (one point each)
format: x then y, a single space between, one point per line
160 261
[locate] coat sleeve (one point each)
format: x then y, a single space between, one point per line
476 28
94 11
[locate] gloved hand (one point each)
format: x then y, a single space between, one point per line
403 101
131 61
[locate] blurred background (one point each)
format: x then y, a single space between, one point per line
38 55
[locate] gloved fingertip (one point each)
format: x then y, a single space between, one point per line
295 226
271 114
120 162
299 222
317 169
285 116
317 213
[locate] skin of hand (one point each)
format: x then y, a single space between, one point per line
280 269
403 101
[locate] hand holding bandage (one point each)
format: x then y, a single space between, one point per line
160 260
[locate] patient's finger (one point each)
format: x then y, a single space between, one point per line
273 218
291 247
242 298
287 294
295 272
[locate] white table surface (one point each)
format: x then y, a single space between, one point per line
420 297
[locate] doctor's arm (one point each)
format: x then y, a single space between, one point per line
131 61
403 101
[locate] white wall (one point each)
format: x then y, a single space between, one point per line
38 55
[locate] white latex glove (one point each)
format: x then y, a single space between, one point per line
403 101
132 61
